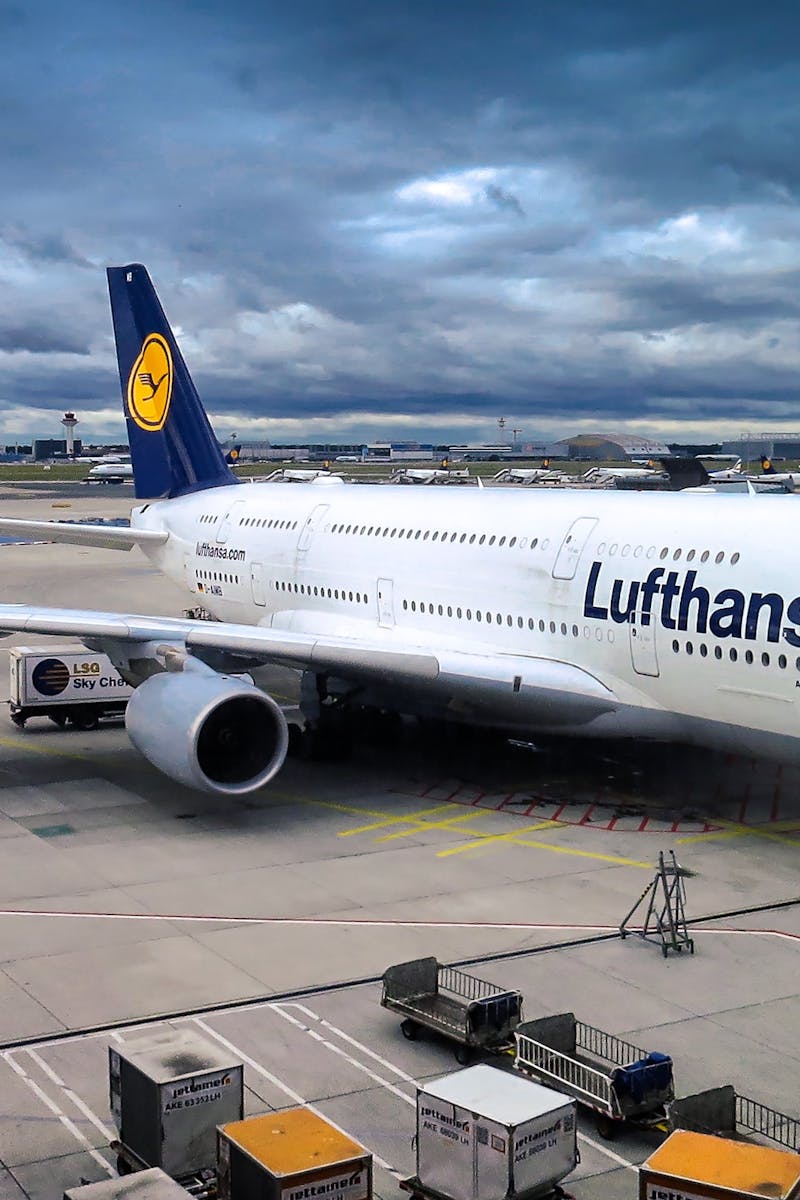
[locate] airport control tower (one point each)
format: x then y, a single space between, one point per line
69 421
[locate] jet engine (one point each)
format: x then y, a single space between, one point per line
209 731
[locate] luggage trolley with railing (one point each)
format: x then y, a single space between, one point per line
619 1081
474 1014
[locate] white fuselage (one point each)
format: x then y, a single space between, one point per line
684 607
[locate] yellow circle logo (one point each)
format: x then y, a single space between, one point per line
150 384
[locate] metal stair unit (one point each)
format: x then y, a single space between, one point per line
665 921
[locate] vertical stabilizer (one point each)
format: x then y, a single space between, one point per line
173 447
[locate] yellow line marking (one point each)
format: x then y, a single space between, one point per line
423 826
413 818
15 744
616 860
484 839
732 829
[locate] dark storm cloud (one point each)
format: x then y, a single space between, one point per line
48 247
564 211
39 340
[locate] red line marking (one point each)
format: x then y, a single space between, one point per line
557 814
480 796
612 823
675 826
643 824
586 818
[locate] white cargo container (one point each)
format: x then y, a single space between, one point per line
485 1134
65 683
168 1092
144 1185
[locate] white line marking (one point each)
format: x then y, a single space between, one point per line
390 1087
82 1107
350 1040
617 1158
284 1087
390 1066
63 1118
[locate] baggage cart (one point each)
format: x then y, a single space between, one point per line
721 1110
488 1134
470 1012
617 1080
699 1166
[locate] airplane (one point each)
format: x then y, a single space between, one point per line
111 472
661 616
120 470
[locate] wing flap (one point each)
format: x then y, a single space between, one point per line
105 537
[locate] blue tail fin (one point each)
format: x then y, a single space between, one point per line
173 448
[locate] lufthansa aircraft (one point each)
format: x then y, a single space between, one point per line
661 616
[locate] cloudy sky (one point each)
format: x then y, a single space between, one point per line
381 220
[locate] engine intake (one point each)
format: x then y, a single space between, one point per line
209 731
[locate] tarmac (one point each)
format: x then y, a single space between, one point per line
127 900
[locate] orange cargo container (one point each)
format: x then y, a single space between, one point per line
290 1155
697 1166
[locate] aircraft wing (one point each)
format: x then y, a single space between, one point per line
132 636
106 537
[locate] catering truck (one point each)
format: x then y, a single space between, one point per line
68 684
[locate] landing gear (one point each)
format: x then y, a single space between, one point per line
328 735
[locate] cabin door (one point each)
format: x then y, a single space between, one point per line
567 559
385 589
257 584
311 522
643 642
228 521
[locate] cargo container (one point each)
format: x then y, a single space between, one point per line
66 684
486 1134
293 1154
168 1092
699 1166
154 1184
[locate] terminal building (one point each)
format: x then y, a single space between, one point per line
45 448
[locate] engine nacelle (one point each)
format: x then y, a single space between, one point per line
209 731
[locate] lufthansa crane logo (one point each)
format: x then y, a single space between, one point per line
150 384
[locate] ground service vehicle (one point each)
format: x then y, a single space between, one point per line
68 684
